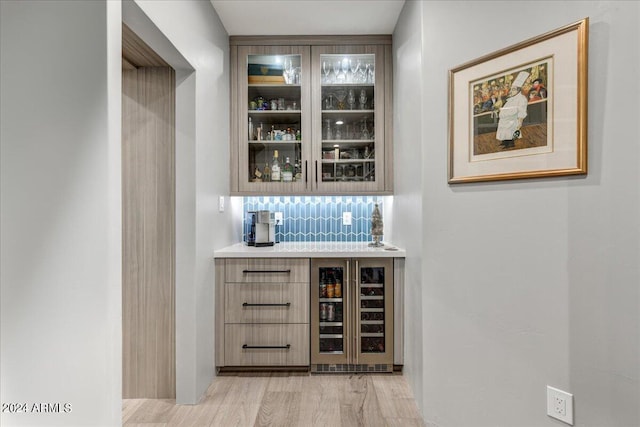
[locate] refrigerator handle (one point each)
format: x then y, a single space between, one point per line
356 303
346 295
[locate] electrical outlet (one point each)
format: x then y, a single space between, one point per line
221 204
346 218
278 217
560 405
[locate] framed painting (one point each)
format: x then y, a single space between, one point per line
521 112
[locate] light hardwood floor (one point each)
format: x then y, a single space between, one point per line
286 399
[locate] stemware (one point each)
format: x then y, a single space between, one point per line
354 66
326 69
337 65
351 99
339 70
329 102
361 77
363 99
327 130
364 133
341 95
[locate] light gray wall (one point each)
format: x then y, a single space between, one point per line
195 33
534 282
407 201
61 212
61 209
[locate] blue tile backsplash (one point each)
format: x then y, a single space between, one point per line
318 218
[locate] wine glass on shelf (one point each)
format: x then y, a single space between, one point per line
327 134
326 70
345 69
354 67
363 99
361 78
371 76
329 102
365 73
341 96
351 99
337 69
364 133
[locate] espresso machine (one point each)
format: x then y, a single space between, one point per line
261 228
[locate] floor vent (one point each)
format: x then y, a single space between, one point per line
349 368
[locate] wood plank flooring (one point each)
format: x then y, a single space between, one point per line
285 399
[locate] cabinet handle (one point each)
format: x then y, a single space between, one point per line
266 271
306 172
316 171
250 347
286 304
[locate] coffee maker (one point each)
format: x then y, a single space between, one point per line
261 228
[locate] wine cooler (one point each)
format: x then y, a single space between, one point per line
352 315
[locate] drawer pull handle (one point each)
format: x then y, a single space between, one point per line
285 304
266 271
250 347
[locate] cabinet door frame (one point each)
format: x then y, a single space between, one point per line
239 121
326 358
388 356
382 119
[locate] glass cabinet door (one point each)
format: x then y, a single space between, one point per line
274 119
374 310
349 117
330 326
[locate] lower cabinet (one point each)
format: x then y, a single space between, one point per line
330 315
264 307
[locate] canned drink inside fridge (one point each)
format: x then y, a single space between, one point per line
323 290
323 311
331 312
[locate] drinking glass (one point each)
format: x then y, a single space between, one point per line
351 99
354 66
288 71
361 77
327 130
341 95
364 133
336 71
363 99
329 102
326 69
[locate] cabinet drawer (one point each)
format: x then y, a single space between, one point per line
267 345
266 303
264 270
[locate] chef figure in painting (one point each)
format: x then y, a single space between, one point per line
512 113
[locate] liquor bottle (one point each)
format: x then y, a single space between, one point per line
298 135
275 167
287 171
250 130
266 173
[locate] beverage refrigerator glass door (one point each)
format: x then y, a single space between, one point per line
352 315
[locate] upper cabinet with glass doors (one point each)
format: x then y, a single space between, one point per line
311 118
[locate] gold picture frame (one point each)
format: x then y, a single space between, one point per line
521 112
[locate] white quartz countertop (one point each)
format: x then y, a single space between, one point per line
311 250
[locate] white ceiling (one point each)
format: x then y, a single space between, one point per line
308 17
